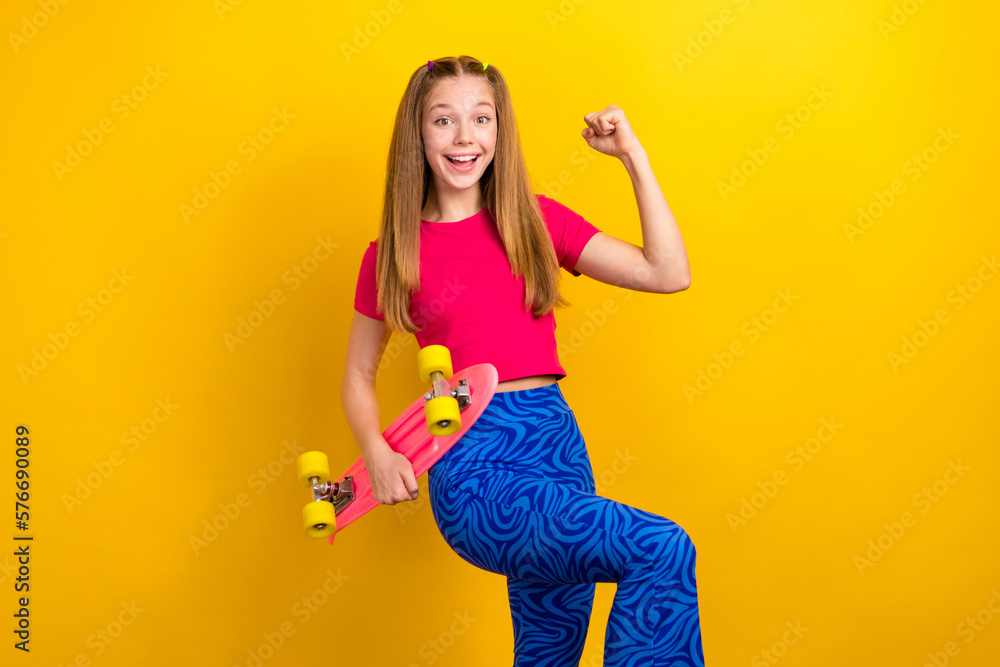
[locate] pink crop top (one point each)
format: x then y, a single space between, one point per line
470 302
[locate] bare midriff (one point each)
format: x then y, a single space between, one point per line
526 383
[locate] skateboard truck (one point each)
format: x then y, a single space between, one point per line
441 388
443 405
339 493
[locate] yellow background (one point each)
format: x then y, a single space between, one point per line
398 587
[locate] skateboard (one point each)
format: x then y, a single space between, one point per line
423 433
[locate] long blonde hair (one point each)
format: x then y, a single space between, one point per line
506 189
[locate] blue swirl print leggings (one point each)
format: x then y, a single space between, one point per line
516 496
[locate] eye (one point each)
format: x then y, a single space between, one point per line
482 116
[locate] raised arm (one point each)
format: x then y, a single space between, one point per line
661 264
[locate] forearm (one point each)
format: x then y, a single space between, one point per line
360 403
662 243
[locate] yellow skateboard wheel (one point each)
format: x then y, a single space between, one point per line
433 358
319 519
313 464
443 409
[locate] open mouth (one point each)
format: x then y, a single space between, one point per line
463 164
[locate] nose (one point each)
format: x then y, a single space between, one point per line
464 134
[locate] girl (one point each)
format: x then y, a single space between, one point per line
468 257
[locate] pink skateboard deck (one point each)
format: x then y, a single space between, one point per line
409 436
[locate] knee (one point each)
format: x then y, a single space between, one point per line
688 543
675 543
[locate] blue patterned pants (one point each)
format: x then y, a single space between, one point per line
516 496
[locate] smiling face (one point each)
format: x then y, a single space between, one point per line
459 121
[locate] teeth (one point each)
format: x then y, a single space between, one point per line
467 158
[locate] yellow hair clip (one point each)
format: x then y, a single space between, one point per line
484 66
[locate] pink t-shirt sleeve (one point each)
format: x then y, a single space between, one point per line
366 293
569 230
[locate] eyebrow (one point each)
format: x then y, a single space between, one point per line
448 106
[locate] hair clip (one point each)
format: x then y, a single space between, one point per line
430 65
484 66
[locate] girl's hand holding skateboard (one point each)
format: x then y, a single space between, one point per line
390 475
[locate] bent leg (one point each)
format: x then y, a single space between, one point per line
524 526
